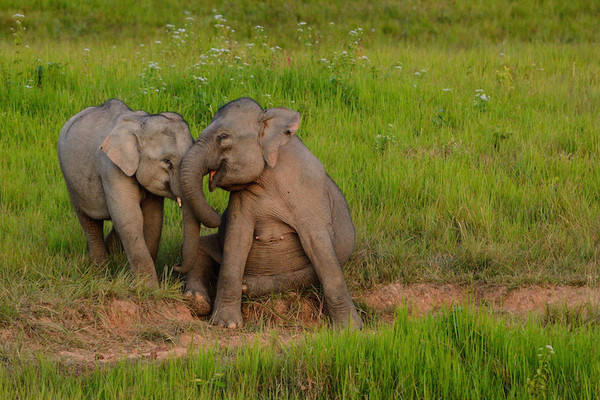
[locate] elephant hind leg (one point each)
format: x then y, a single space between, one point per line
113 242
265 284
94 234
200 280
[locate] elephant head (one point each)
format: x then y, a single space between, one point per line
151 147
240 142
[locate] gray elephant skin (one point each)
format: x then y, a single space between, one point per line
287 224
119 165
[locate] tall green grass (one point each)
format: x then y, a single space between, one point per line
458 353
460 162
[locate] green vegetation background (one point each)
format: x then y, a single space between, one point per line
464 135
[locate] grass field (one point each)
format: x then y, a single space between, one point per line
463 354
463 134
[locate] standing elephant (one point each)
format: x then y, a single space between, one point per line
119 164
287 224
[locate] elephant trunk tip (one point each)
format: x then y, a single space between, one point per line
212 221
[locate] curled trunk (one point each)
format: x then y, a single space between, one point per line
194 206
193 168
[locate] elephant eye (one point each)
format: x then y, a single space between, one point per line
222 136
168 162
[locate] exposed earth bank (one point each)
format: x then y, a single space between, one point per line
125 329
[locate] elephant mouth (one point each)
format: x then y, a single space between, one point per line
215 176
167 191
211 180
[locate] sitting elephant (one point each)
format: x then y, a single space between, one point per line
119 164
287 224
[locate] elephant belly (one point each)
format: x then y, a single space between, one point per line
88 197
276 253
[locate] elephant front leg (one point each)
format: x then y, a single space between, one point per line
128 220
227 311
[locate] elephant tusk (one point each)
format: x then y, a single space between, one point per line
211 175
179 201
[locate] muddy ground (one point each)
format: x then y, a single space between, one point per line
123 329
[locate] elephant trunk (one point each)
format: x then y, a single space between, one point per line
191 238
193 168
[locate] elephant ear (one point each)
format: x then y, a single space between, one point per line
279 125
122 147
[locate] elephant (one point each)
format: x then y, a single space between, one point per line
287 224
119 165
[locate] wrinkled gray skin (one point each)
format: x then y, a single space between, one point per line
119 165
287 224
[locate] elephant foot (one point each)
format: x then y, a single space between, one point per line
227 318
254 286
348 320
148 280
198 302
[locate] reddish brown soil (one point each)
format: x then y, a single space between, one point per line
123 329
426 297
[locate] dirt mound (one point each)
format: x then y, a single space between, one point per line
425 297
124 329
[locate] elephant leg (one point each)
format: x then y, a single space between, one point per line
238 237
113 242
129 223
254 286
152 210
93 229
317 244
200 279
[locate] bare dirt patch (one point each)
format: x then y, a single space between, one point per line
119 329
426 297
